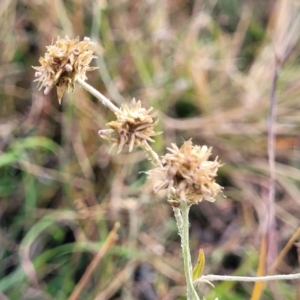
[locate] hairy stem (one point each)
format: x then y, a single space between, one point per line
152 155
206 278
182 220
105 101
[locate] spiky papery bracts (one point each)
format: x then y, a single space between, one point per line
133 126
65 62
187 172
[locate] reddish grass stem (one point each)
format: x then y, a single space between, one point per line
109 242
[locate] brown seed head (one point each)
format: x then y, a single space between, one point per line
134 125
64 62
189 172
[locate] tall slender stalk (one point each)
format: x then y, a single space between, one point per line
182 220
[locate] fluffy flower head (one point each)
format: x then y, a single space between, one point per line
64 62
188 174
133 126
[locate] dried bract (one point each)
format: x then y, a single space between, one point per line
133 126
188 172
64 62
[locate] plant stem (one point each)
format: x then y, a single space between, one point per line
205 278
109 242
182 220
105 101
152 155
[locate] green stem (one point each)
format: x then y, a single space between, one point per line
182 219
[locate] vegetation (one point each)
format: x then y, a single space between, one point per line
217 72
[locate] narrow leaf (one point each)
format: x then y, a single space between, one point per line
199 267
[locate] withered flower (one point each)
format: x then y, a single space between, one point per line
64 62
133 126
187 174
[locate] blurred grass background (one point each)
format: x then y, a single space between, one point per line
207 66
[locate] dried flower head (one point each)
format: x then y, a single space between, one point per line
188 173
64 62
133 126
